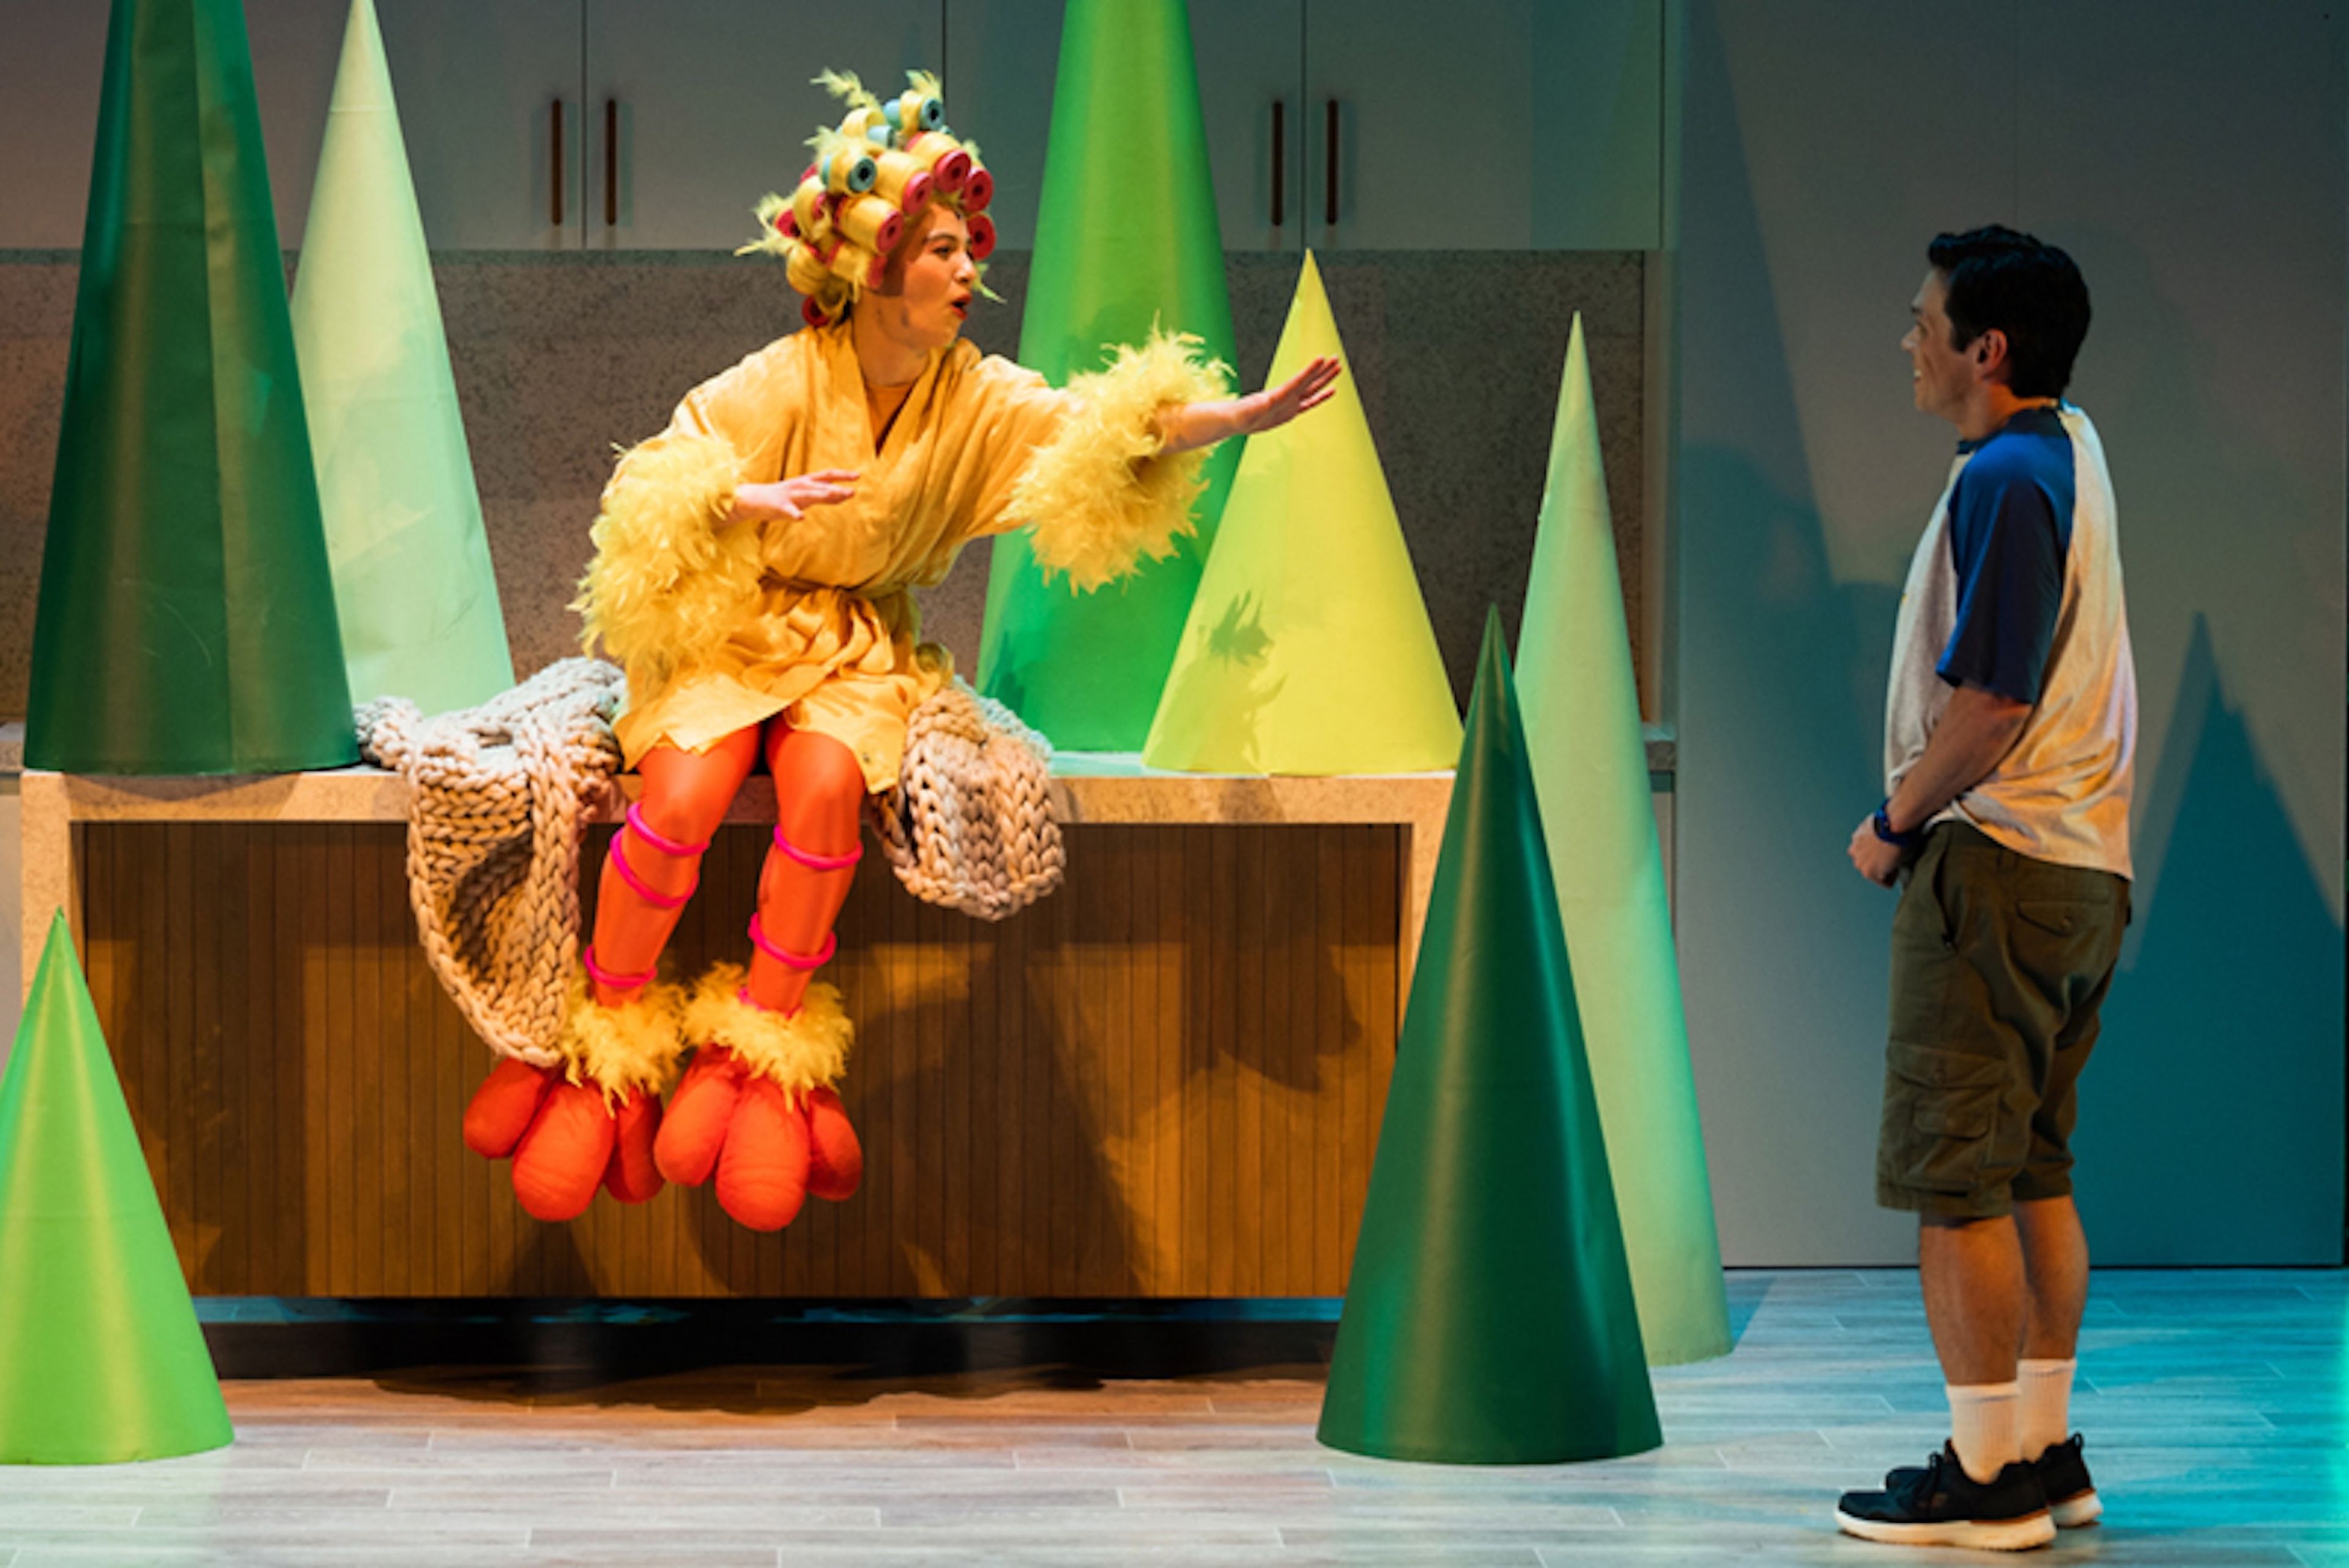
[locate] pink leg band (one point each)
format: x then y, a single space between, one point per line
747 999
666 846
603 976
813 861
791 960
643 890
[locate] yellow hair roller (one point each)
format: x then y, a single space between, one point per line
873 222
943 156
807 275
914 112
811 210
902 181
848 170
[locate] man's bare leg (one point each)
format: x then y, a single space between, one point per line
1976 1296
2056 1259
1977 1300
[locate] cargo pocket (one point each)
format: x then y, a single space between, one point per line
1940 1110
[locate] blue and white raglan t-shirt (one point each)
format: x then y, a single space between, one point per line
2016 588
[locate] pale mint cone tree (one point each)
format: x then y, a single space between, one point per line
1581 709
414 589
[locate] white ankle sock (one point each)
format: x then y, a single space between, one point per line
2046 1417
1986 1427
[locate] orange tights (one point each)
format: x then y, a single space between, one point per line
819 793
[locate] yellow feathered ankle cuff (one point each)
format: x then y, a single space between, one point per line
632 1047
798 1051
1100 496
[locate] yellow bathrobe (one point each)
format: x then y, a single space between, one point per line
722 624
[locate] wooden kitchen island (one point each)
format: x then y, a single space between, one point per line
1165 1080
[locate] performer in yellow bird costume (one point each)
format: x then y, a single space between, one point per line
754 572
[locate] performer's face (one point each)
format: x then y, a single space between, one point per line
925 293
1943 376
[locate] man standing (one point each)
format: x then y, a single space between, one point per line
2010 732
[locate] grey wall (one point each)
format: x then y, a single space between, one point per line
2191 157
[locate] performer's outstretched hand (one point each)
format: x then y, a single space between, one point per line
1276 406
1194 425
790 498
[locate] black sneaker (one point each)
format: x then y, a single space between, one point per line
1940 1505
2072 1497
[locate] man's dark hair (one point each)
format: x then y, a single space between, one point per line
2001 279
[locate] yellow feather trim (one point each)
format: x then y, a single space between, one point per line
617 1049
800 1051
669 583
844 86
1100 496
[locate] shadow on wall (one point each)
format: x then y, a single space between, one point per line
2193 1107
1783 945
2228 547
1782 689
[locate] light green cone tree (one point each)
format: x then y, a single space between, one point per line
1126 239
1590 768
1308 649
414 590
101 1360
1488 1318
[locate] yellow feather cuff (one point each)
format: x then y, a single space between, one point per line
800 1051
668 583
1099 497
617 1049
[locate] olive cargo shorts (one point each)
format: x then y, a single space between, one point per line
1999 963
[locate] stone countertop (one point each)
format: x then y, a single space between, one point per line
1663 753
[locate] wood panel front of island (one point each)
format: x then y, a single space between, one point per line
1165 1080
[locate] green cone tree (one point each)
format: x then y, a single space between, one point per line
1581 711
415 594
101 1360
1489 1318
1308 650
1126 239
186 621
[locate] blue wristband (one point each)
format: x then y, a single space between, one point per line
1882 822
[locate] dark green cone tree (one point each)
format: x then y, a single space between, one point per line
187 616
1126 239
1490 1318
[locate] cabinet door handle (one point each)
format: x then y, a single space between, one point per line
555 168
1330 165
611 163
1279 161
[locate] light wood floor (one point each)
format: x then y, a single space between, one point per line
2216 1405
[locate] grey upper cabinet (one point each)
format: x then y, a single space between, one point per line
635 124
1487 124
695 110
1251 95
296 44
50 68
1003 60
490 106
52 72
